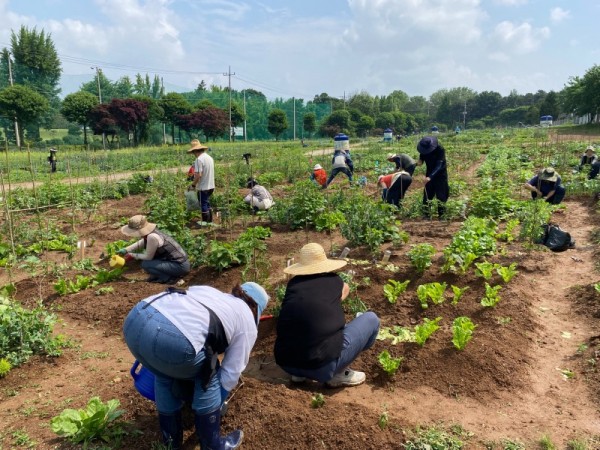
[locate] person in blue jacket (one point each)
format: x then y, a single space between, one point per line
433 155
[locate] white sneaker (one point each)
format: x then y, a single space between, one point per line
347 377
296 379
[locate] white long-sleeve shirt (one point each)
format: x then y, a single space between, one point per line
192 319
149 247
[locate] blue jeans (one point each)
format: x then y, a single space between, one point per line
337 170
165 351
359 335
166 270
204 199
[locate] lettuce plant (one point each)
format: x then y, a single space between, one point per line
462 331
425 330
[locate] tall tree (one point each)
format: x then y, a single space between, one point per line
278 122
36 65
76 108
173 105
309 123
549 106
23 103
129 115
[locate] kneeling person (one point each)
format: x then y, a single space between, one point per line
259 198
313 341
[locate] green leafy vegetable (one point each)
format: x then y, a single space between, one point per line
462 331
458 293
389 364
507 273
96 421
420 256
425 330
434 291
393 289
491 297
396 334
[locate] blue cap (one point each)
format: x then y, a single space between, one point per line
340 137
258 294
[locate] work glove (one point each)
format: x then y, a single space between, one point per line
122 251
129 257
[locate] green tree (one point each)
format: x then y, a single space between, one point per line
309 123
76 108
23 103
35 64
173 105
337 122
278 122
364 126
550 106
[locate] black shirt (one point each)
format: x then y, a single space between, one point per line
311 322
436 164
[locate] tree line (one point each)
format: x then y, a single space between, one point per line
140 112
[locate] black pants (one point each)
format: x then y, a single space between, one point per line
436 189
397 190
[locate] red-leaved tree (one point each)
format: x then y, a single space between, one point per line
213 122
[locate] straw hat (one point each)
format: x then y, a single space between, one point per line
196 146
313 260
549 174
391 156
590 148
317 167
138 226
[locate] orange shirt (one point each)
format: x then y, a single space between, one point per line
320 176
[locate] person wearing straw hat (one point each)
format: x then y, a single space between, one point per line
433 155
394 186
403 162
590 157
259 197
313 341
546 184
319 175
178 336
204 177
162 257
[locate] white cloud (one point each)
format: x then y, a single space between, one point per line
521 38
511 2
558 14
498 56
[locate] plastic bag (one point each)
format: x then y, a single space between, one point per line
191 201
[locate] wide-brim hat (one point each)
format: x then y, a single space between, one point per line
314 260
427 145
590 148
53 150
196 145
317 167
391 155
138 226
548 174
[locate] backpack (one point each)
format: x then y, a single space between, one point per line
555 238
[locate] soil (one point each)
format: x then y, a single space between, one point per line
512 381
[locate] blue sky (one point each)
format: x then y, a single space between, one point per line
302 48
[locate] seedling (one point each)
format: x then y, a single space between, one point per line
420 256
434 291
485 269
507 273
383 420
393 289
491 297
458 293
317 401
462 331
389 364
425 330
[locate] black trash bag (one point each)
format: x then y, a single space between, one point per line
555 238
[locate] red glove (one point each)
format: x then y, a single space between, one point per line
129 257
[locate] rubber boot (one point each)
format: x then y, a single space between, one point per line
206 216
210 215
171 429
208 430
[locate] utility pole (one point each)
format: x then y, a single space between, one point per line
162 89
245 134
294 100
228 74
98 72
10 78
465 116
